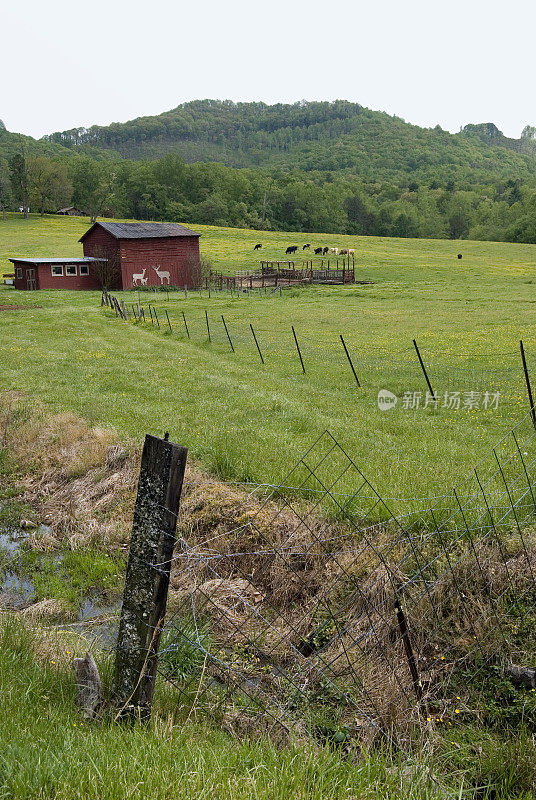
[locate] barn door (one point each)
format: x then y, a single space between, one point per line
30 279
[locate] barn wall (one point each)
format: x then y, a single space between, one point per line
101 244
173 255
74 282
20 283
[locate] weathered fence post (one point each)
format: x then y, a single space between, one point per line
147 578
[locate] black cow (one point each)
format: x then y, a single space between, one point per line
291 249
257 247
305 246
325 251
459 255
318 251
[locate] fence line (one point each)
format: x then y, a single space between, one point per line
243 338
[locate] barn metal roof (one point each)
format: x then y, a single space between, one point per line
143 230
36 261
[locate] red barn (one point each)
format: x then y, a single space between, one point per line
57 273
145 253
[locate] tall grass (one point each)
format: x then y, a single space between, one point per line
48 751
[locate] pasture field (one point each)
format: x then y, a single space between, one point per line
250 423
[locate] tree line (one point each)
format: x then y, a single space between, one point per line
168 189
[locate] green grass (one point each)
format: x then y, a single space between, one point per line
251 423
48 751
71 575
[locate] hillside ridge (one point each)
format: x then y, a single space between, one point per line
311 136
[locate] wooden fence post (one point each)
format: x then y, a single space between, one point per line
147 578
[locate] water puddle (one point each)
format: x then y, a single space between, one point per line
95 606
15 591
11 540
98 621
98 617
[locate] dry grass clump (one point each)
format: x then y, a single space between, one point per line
55 647
78 479
47 611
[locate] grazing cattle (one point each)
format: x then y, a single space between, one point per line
257 247
344 251
291 249
318 251
351 252
325 251
305 246
334 250
459 255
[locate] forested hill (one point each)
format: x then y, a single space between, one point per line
17 143
315 136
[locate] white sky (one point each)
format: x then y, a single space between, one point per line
447 62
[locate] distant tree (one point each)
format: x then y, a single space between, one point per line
514 195
19 181
523 230
92 186
458 224
212 211
528 132
5 188
48 184
449 186
413 187
405 226
359 213
107 271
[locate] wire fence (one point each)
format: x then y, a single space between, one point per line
456 376
325 614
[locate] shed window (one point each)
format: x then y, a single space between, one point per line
70 269
84 269
19 272
57 271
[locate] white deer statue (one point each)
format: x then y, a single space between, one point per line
162 273
140 276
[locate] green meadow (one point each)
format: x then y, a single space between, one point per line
250 422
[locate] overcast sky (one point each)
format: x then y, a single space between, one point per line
446 62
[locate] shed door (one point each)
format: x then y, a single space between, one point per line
30 279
